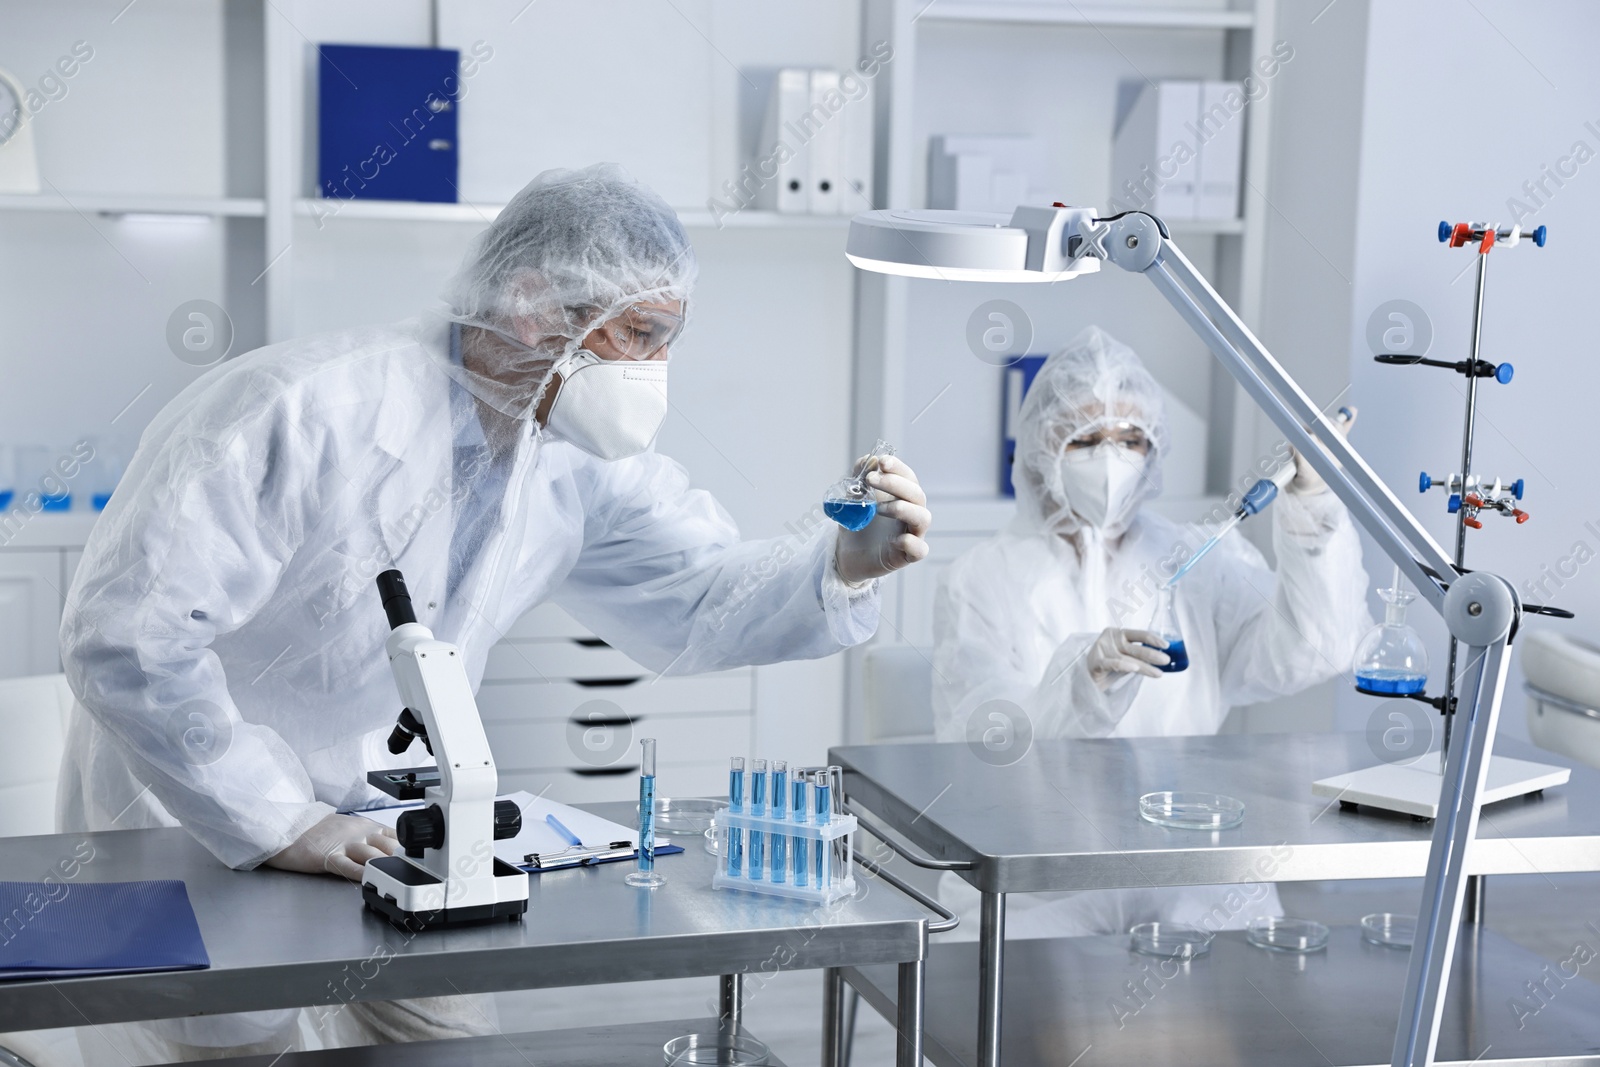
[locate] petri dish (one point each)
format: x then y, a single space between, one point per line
1170 940
1284 934
713 839
1191 811
720 1046
685 816
1389 929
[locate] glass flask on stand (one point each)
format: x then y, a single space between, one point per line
1391 660
1164 623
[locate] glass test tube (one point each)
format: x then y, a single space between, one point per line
758 806
797 812
645 874
822 800
780 810
735 842
841 844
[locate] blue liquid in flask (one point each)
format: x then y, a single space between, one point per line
851 514
1399 682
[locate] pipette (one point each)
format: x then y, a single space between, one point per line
1255 501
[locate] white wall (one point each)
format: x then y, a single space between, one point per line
1465 103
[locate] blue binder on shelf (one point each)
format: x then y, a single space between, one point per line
386 123
1019 377
76 929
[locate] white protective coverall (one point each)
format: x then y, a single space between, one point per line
224 635
1015 616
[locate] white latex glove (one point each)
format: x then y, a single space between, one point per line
874 551
1118 652
339 844
1306 480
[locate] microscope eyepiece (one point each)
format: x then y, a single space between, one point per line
396 598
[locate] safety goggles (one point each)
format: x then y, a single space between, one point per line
1124 435
637 332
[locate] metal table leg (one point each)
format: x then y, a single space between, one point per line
1472 909
991 963
731 998
832 1017
908 1018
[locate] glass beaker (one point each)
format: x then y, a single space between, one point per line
1392 660
1164 624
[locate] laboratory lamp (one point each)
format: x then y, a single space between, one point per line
1481 610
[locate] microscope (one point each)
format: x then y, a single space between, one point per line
448 874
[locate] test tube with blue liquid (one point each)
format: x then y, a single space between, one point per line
736 804
758 806
822 806
645 875
780 810
797 813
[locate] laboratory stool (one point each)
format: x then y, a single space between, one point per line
33 715
898 685
1563 685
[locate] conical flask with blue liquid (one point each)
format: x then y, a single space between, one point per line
1392 660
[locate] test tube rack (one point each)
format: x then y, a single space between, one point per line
833 841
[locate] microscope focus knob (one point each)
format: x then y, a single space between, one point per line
507 820
420 828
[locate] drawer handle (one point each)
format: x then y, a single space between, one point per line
603 772
605 683
605 720
591 642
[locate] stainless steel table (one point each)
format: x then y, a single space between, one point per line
1242 1006
288 940
1065 817
600 1046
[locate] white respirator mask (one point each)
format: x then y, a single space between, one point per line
1099 482
610 408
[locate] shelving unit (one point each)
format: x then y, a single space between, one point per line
911 335
483 214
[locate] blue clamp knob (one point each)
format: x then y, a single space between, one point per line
1538 236
1516 488
1454 504
1503 373
1445 228
1424 483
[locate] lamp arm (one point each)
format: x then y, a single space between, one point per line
1369 499
1480 609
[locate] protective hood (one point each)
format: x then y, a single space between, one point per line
1094 381
572 250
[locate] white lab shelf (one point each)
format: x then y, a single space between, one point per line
124 204
1096 17
482 214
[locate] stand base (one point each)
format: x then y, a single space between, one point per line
1413 789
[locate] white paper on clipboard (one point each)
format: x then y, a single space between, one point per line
537 835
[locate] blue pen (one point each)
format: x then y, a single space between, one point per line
566 835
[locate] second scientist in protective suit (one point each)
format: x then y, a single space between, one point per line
1050 614
223 635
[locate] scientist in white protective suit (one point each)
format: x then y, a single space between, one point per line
224 637
1050 615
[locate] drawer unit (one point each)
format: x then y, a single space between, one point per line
602 742
572 786
728 691
548 660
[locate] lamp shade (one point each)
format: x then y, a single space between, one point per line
960 246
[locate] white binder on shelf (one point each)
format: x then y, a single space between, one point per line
1221 154
825 127
788 190
1155 158
856 194
984 172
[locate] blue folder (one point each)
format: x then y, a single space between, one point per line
74 929
386 122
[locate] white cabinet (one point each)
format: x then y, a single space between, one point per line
30 612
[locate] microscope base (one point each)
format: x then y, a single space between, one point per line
408 896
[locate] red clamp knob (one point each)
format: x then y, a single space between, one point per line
1476 524
1459 235
1520 515
1472 500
